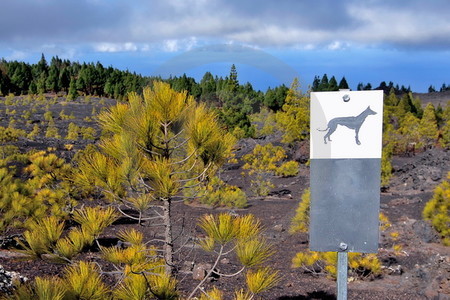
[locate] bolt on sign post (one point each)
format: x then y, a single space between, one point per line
345 160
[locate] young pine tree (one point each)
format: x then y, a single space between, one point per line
154 145
293 118
428 126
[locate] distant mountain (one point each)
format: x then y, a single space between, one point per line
436 98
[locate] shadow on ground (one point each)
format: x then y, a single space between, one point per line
311 296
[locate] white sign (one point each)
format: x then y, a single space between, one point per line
346 124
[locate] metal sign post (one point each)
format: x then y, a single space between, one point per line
345 160
342 275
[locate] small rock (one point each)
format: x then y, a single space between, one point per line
278 227
200 271
8 280
395 270
225 261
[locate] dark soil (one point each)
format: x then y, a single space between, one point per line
420 271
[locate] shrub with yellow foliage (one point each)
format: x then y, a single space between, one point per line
437 210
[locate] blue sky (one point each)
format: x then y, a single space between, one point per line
404 41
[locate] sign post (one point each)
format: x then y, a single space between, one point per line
345 160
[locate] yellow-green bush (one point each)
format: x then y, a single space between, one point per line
241 234
10 134
261 163
216 193
73 131
42 235
34 132
288 169
48 116
264 121
88 133
42 192
437 210
360 265
83 281
300 222
52 131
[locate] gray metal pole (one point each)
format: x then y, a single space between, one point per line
342 274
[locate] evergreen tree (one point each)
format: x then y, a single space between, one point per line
368 87
408 132
315 84
274 98
208 84
64 80
52 81
158 145
343 84
72 93
233 83
41 67
417 109
323 86
32 90
405 105
428 125
392 99
332 84
40 84
445 130
21 77
293 118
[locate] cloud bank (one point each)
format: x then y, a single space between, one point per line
175 25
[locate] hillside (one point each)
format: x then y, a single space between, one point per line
437 98
418 271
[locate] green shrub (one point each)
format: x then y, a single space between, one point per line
437 210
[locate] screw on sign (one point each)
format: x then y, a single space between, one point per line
345 157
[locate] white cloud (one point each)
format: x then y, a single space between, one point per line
16 55
414 26
337 45
116 47
170 45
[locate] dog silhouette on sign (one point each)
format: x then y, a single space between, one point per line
349 122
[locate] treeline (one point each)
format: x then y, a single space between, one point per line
444 87
72 78
234 102
322 84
